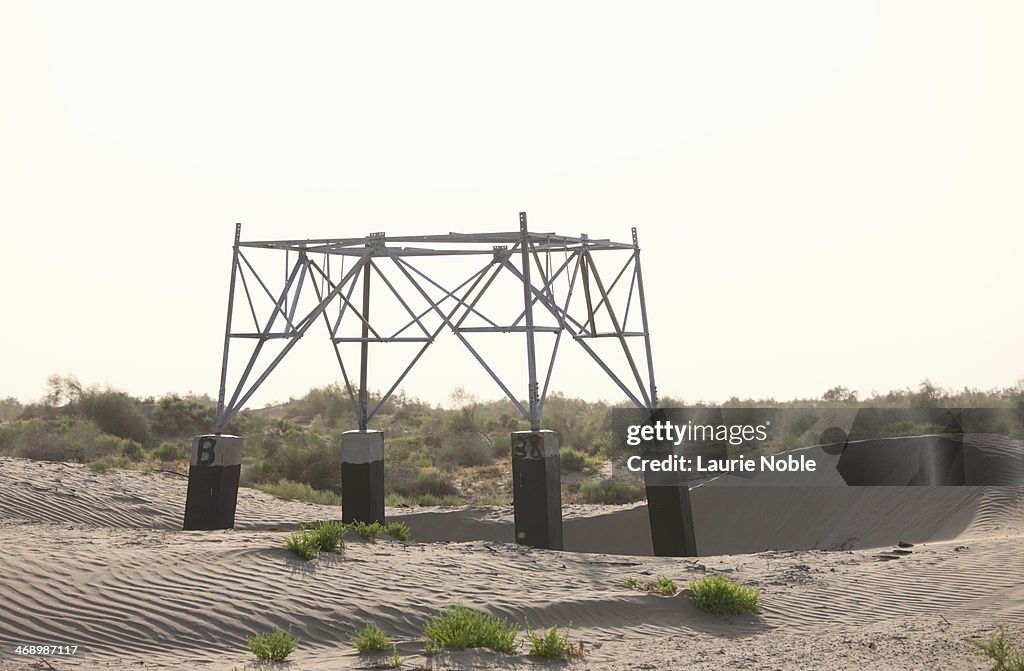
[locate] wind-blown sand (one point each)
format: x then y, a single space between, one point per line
98 560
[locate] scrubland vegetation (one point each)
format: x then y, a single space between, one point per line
435 455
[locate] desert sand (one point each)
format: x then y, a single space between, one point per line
98 560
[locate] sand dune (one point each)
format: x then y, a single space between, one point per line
97 560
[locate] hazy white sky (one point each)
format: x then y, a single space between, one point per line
826 193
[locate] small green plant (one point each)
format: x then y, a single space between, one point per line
460 627
1005 655
330 535
610 492
305 543
632 583
716 594
372 638
395 661
663 585
367 532
274 646
397 530
549 644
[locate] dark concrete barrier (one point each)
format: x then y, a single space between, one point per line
362 476
536 489
215 465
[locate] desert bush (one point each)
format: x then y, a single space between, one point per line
132 451
274 646
549 644
410 482
174 416
716 594
299 455
573 461
460 627
305 543
64 439
10 409
332 403
114 412
170 451
1004 653
610 491
397 530
466 449
372 638
299 491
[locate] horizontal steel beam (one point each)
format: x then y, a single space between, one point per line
508 329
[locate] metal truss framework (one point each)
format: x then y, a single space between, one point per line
532 259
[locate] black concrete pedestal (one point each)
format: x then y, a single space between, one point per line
362 476
215 465
536 489
668 503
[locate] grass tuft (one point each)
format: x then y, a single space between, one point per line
460 627
549 644
274 646
663 585
395 661
367 532
397 530
305 543
372 638
716 594
330 535
610 492
1005 655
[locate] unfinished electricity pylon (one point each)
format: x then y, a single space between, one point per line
345 283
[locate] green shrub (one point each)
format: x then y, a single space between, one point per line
305 543
397 530
466 449
716 594
132 450
415 484
610 491
395 661
299 491
114 412
663 585
549 644
272 647
632 583
370 639
1005 655
170 452
64 439
367 531
175 416
330 535
460 627
574 461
